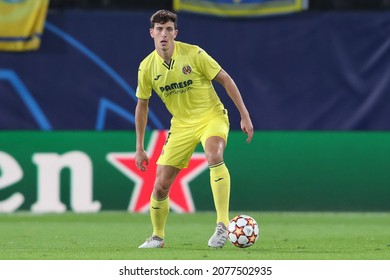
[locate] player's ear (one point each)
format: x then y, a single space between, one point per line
176 31
151 32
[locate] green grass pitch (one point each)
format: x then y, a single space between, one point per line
116 235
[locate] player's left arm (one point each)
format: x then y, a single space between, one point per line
232 90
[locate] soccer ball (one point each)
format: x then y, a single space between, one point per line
243 231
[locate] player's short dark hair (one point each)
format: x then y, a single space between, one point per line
163 16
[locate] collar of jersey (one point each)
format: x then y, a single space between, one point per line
173 54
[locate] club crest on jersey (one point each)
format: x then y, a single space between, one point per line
186 70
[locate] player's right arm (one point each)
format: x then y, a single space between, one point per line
143 93
141 119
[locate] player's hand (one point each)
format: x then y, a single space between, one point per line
141 160
247 127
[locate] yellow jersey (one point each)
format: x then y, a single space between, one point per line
184 84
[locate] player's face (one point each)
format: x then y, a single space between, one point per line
164 35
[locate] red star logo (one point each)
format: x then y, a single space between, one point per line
238 231
179 196
251 222
252 238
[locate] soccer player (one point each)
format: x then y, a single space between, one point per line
182 74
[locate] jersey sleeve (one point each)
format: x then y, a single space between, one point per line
144 86
207 65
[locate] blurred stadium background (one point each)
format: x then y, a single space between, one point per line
168 4
316 82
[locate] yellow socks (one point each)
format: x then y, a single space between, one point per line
220 186
159 210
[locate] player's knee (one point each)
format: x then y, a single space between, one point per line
162 186
160 194
214 157
160 191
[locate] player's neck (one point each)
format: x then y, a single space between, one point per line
166 55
